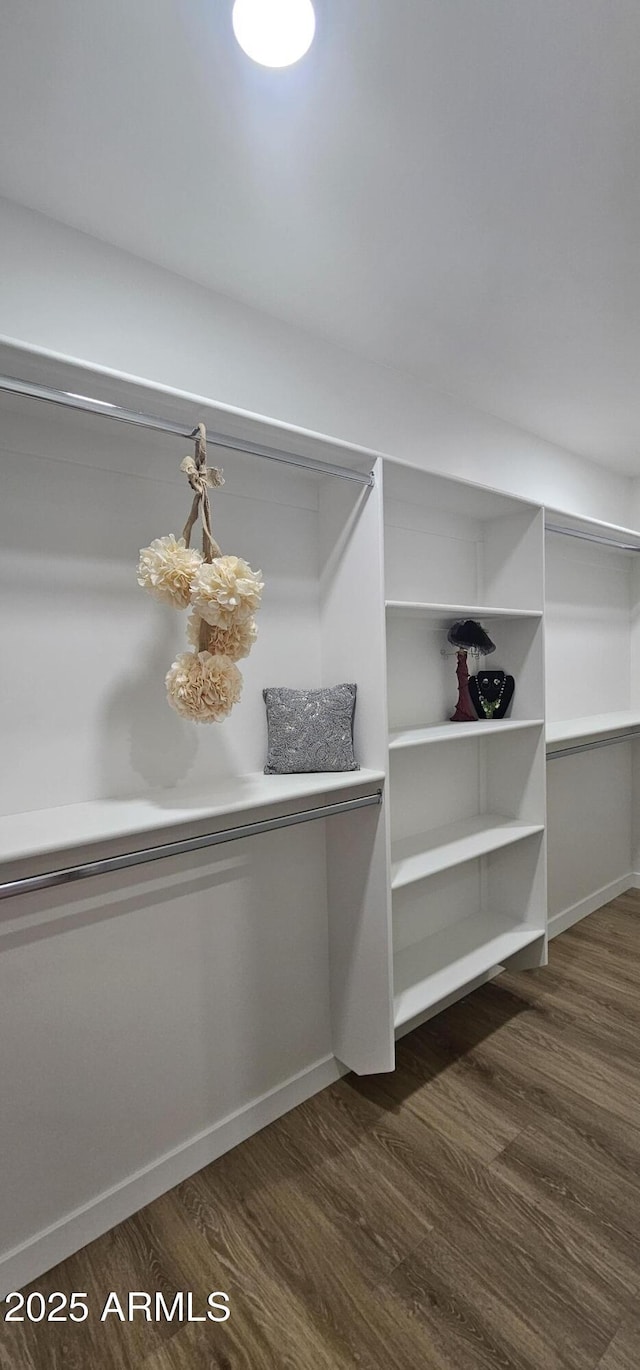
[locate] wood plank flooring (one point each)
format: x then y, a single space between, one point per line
479 1209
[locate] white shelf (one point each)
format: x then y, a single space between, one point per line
450 494
592 727
580 524
452 958
53 370
24 835
448 732
441 614
416 858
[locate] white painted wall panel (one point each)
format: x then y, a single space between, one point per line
589 817
68 292
90 649
160 1000
587 628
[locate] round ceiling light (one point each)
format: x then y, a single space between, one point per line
275 33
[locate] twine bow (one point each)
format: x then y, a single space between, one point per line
202 478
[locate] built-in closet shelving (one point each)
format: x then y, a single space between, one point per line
467 806
375 572
239 969
109 767
462 883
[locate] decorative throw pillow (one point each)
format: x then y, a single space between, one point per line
310 730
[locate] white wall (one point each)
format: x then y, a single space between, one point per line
591 649
587 629
63 290
102 727
149 1020
633 513
589 831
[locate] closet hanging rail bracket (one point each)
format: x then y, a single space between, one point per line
105 865
86 404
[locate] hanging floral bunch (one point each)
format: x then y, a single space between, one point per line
222 592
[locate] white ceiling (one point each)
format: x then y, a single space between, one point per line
451 187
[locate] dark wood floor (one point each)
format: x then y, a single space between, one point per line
478 1208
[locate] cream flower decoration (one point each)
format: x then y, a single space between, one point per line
235 641
166 569
202 687
226 589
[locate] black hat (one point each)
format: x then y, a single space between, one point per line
467 635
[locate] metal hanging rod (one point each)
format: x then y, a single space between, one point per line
69 400
30 883
590 746
592 537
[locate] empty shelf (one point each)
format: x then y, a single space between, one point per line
592 726
416 858
441 615
446 732
452 958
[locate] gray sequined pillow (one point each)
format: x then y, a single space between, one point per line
310 730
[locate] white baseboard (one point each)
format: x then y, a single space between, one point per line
561 921
44 1250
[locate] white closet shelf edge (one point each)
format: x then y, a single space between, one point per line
448 732
417 858
583 523
24 835
592 726
441 613
449 959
